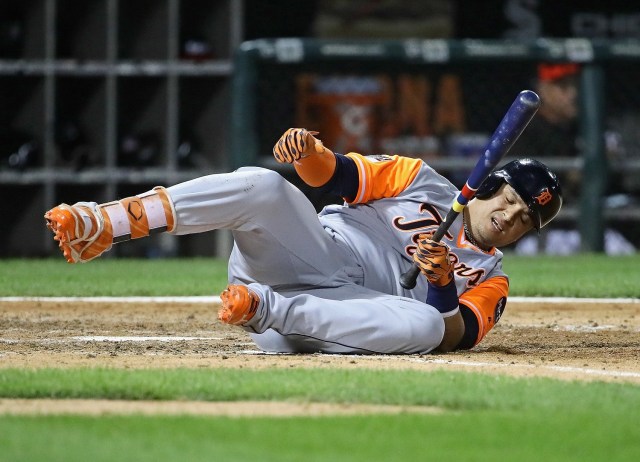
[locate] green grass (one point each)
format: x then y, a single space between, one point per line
485 417
577 276
469 436
113 277
451 390
585 275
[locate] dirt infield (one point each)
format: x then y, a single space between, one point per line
100 407
570 340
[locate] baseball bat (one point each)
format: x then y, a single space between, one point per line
515 120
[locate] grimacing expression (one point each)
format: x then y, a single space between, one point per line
500 219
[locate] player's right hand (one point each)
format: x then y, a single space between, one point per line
296 144
433 260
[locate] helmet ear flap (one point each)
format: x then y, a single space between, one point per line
489 186
535 184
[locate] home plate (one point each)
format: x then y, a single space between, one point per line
99 338
261 353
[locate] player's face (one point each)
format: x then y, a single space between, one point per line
560 99
500 220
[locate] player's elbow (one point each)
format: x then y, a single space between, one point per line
453 333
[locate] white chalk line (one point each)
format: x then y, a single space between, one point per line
216 299
104 338
453 362
553 300
580 370
195 299
585 328
446 362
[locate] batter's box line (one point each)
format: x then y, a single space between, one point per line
581 370
449 362
216 299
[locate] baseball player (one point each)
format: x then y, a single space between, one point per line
329 282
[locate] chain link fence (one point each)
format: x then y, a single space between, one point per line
371 99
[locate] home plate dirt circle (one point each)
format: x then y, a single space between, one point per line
561 338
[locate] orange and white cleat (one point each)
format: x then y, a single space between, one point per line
81 231
239 305
85 230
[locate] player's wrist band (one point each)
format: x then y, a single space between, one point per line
444 299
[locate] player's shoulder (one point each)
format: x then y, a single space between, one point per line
379 158
428 177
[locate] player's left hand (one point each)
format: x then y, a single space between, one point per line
296 144
434 260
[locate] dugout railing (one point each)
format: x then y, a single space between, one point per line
263 100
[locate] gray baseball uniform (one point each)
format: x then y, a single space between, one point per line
330 282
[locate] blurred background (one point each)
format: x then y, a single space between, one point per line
102 99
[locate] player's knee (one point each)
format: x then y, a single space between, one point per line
266 186
436 329
428 333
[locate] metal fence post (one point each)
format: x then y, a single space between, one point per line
595 170
244 132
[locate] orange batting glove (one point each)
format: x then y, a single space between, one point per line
296 144
433 260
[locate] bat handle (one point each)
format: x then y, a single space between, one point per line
513 123
409 278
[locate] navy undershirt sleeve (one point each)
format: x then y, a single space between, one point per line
471 328
443 299
344 181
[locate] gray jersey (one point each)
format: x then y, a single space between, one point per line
382 234
330 282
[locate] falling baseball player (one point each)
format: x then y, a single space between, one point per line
329 282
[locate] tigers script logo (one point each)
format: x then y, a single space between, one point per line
429 224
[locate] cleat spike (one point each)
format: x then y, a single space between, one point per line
69 227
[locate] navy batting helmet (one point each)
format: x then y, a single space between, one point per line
538 187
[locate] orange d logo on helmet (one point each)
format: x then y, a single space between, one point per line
544 197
